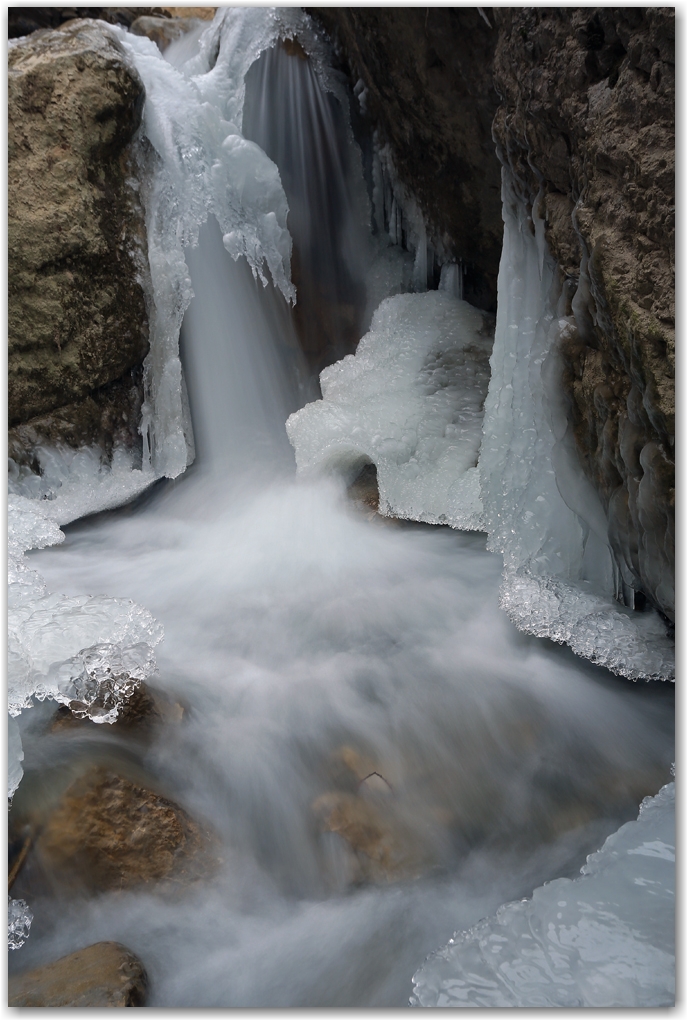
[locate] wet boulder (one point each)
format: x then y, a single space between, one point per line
103 975
109 833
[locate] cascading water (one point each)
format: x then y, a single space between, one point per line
303 129
313 650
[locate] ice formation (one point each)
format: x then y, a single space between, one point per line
541 511
398 215
74 483
88 652
409 401
15 755
19 918
202 165
604 939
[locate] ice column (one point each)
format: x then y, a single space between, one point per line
541 512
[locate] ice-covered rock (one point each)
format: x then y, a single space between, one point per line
15 755
88 652
604 939
410 401
74 483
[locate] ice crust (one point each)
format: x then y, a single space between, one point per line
409 401
19 918
74 483
88 652
604 939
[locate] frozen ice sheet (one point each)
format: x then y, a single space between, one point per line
604 939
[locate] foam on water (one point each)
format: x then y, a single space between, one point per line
294 628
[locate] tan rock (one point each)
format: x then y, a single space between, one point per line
384 850
164 31
77 247
110 833
206 13
105 974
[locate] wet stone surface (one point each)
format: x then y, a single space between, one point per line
103 975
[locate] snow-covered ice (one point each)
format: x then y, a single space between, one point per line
409 401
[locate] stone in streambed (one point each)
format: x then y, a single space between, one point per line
138 715
103 975
109 833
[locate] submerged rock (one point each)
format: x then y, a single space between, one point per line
145 709
103 975
109 833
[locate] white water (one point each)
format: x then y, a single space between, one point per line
293 628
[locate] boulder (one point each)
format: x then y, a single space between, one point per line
164 31
103 975
77 320
109 833
25 20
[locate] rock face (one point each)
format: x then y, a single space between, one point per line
588 115
428 75
103 975
24 20
110 833
164 31
78 328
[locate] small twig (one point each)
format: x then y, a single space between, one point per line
379 776
19 863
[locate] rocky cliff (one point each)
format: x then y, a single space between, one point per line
78 329
429 86
582 105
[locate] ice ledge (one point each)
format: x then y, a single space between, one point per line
604 939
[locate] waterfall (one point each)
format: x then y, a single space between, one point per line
305 131
382 757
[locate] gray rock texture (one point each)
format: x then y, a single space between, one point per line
588 116
78 327
106 974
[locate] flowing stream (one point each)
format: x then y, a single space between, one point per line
383 757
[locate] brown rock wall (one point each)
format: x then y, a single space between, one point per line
588 116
